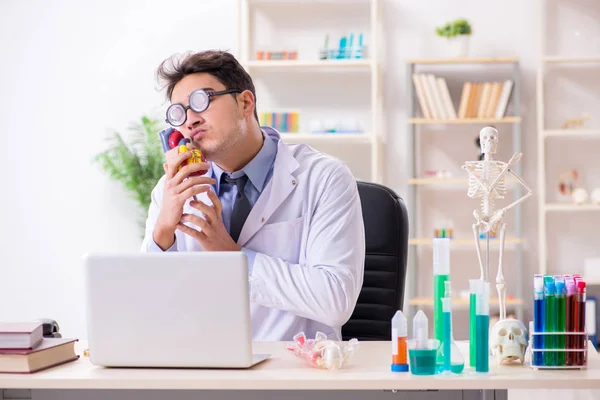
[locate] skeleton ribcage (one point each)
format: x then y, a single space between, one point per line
475 189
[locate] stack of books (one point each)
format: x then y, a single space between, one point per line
23 349
478 99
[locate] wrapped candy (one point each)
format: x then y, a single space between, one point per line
322 352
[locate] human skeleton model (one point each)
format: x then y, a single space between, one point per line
487 181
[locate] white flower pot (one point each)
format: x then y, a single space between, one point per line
459 46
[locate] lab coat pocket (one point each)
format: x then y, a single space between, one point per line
281 239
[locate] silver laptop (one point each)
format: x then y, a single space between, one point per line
175 309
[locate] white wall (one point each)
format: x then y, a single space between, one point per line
74 71
71 73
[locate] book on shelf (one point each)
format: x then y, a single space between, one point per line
477 100
20 335
50 352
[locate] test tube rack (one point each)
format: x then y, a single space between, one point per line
531 350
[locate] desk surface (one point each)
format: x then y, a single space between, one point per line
368 370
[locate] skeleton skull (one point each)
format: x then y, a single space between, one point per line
488 139
509 341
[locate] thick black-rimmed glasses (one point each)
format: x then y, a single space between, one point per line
199 101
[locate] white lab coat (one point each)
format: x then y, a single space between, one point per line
308 230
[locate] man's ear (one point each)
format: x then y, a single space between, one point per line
247 103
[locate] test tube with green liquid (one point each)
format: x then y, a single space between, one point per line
441 273
549 320
473 283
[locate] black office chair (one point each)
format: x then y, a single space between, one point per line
386 233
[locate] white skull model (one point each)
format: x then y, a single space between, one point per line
509 341
488 140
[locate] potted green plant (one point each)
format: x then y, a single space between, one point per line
457 32
137 163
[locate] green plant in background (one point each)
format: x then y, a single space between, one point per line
454 28
138 165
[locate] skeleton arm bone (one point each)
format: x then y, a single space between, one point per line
519 200
514 159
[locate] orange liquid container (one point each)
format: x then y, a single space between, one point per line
399 333
400 358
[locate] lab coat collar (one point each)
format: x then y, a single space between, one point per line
281 185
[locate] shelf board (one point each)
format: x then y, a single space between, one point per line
577 133
459 301
309 64
496 241
565 60
437 181
505 120
302 2
478 60
445 181
329 137
571 207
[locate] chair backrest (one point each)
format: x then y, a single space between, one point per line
386 232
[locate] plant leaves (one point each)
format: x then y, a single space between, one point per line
138 163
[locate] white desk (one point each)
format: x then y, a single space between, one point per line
368 370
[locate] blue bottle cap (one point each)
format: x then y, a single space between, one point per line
399 367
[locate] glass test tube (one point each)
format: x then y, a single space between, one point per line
483 328
473 287
538 318
441 273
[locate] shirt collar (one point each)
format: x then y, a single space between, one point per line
257 169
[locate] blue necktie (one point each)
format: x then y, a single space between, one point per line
241 206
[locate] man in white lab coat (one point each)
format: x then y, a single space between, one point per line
293 210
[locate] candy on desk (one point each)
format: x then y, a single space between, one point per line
322 352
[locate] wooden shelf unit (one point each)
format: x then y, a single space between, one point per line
544 135
417 244
371 66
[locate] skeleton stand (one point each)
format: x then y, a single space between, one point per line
487 182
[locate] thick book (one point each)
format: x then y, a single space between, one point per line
20 335
49 353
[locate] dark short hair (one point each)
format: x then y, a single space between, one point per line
220 64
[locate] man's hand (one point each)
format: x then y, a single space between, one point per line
177 190
214 236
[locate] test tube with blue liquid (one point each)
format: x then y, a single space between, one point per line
538 318
483 327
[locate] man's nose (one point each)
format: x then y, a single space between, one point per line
193 119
